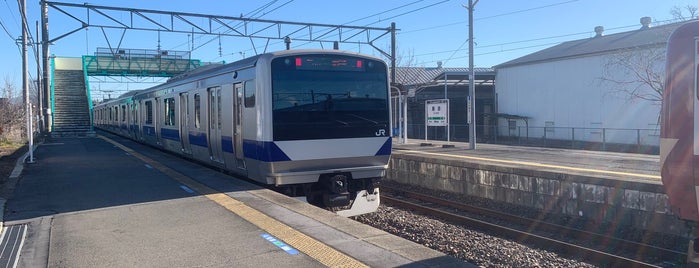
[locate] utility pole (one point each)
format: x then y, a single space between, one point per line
39 87
471 79
46 109
25 81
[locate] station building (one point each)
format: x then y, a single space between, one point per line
603 92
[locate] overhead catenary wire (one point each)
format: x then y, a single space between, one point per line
392 17
531 40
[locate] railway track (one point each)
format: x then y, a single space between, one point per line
438 207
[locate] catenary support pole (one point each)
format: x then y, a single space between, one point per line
471 78
46 109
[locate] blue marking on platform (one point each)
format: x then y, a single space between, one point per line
187 189
280 244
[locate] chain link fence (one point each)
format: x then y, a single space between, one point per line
644 141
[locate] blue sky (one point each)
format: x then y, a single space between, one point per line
430 30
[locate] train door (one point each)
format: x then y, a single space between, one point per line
156 121
238 125
137 119
140 113
184 123
214 104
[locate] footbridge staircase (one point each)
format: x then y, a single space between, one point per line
70 111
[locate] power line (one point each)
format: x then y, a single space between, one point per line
385 11
250 14
395 16
661 22
490 17
7 32
229 30
408 12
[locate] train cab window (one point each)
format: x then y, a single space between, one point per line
328 97
249 94
197 111
149 112
169 111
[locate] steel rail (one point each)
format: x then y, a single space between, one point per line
594 255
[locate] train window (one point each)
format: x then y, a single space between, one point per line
133 113
169 111
123 113
197 111
249 93
149 112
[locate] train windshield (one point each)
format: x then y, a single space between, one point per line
329 97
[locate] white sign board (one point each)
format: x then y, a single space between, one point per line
437 113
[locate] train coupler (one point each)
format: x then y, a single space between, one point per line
337 194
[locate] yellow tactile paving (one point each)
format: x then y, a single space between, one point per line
313 248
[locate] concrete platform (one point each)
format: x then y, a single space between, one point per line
91 202
618 166
616 188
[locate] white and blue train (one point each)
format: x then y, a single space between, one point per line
313 123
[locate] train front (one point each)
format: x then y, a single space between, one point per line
679 147
330 119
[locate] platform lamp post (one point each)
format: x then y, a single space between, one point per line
471 79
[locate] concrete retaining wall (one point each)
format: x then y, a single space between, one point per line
605 200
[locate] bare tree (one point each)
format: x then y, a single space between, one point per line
637 73
678 13
11 113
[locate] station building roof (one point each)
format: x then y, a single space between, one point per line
420 76
645 37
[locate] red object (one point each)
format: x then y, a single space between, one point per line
678 156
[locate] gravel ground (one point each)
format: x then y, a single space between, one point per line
483 249
459 241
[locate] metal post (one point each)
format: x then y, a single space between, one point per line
638 140
472 77
393 53
446 97
405 119
45 54
604 139
25 80
25 71
39 87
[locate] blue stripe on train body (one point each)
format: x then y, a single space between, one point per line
149 131
267 151
198 139
386 148
170 134
227 144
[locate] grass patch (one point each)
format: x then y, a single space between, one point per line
7 148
